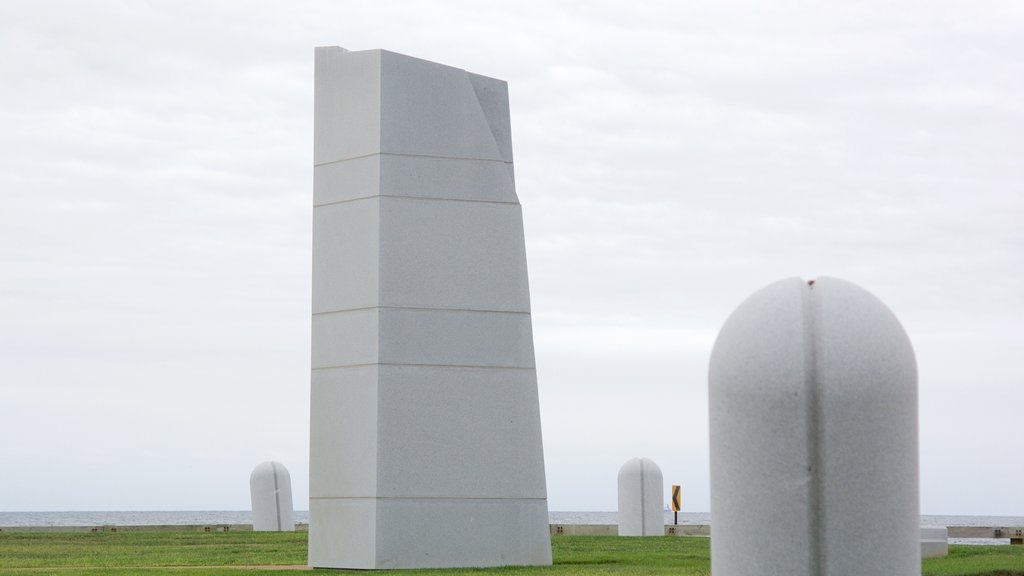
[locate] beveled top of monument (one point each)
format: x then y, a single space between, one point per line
380 102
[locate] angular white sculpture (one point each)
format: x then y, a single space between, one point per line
814 463
641 498
270 487
425 440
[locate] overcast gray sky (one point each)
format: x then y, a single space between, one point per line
671 158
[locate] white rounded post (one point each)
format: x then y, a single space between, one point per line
271 491
640 499
813 414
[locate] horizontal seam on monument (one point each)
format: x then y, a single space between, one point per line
429 198
347 200
440 199
340 160
421 365
345 310
399 154
486 311
344 366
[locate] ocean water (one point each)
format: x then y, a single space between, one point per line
215 517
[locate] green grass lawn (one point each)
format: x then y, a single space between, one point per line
221 553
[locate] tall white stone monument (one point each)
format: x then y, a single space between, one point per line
814 467
425 443
270 488
641 496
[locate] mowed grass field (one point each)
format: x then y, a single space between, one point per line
259 553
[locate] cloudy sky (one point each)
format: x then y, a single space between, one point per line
671 158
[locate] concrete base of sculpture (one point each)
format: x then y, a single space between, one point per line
813 411
641 496
425 440
427 534
934 541
270 487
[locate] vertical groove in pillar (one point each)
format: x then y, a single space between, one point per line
816 558
827 364
643 502
277 495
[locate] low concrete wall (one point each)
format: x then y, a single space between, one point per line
585 529
613 529
986 532
687 530
1013 533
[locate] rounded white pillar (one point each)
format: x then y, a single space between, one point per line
271 491
640 499
813 413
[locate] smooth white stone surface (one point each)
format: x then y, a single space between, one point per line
270 489
411 532
934 548
422 336
346 104
934 541
456 337
430 109
813 412
346 338
432 177
425 441
492 95
375 101
343 403
343 532
641 499
435 533
413 177
347 245
433 416
418 239
346 180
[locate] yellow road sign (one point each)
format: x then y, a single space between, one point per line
676 498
